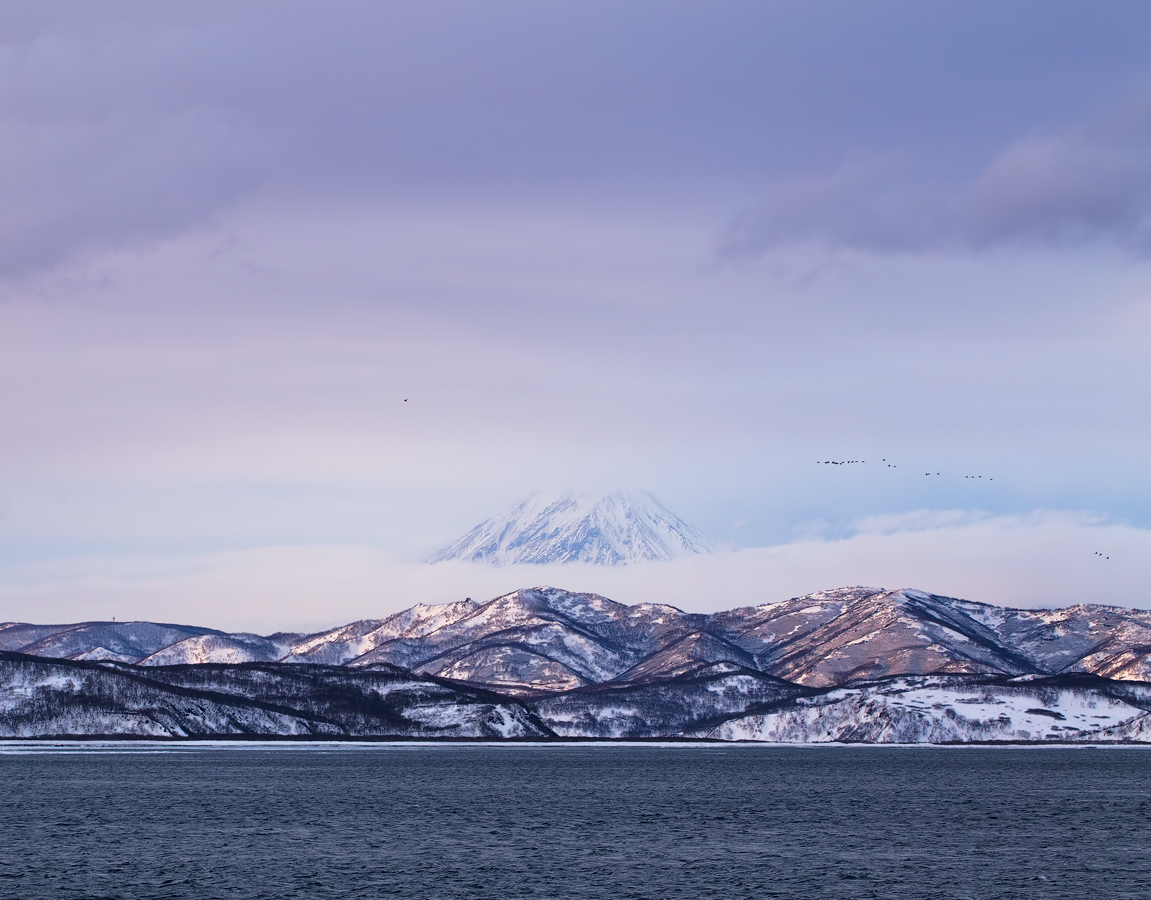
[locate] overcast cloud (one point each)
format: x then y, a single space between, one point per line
347 275
135 120
1088 185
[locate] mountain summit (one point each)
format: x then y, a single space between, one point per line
608 529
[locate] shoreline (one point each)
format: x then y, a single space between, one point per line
14 746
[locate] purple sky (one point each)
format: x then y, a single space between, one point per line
688 248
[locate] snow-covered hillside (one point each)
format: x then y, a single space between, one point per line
721 701
858 664
548 639
941 710
608 529
48 698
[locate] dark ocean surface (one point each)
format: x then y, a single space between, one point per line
615 822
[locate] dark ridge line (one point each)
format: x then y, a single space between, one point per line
932 615
217 697
1073 680
134 674
691 635
694 677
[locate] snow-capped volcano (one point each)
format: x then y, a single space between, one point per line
607 529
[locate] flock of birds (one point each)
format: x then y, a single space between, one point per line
848 462
852 462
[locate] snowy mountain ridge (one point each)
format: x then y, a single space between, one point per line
853 664
549 639
608 529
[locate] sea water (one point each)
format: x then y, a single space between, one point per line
603 821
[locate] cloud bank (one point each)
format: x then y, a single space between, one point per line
1046 559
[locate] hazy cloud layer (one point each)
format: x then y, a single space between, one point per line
1040 560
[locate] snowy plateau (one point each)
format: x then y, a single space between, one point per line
609 529
854 665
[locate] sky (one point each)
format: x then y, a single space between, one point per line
294 294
